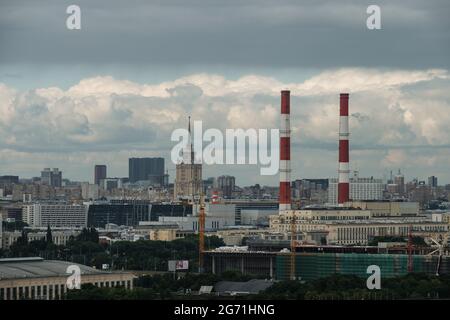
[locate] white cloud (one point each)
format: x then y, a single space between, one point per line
102 115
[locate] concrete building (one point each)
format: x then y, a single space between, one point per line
226 185
218 216
433 182
191 223
158 231
109 184
234 236
12 212
39 279
246 204
131 212
146 169
387 208
59 237
90 191
51 177
256 217
55 215
440 217
360 189
346 226
1 230
99 173
399 181
188 179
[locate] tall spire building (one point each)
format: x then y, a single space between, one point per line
188 180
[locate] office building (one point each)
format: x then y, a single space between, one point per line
12 212
146 169
226 185
4 180
399 181
131 212
51 177
99 173
360 189
433 182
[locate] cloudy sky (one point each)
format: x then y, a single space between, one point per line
119 86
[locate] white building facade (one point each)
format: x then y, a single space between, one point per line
360 189
55 215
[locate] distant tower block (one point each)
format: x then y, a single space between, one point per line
344 169
285 153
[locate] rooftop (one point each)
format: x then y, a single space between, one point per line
250 287
35 267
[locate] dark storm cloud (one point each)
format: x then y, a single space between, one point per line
259 33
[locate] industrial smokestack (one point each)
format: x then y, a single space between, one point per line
285 152
344 169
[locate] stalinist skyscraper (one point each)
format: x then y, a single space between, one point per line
188 180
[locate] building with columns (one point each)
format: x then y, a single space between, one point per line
37 279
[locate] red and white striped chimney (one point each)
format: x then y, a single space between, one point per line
344 169
285 153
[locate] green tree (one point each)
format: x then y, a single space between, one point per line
49 237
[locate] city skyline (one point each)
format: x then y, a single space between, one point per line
225 151
70 101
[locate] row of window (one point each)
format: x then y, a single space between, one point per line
51 292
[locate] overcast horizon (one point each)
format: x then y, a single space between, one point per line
135 71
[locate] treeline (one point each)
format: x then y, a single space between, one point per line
336 287
415 240
123 255
348 287
163 286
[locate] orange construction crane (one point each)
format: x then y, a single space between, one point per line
410 250
201 235
293 246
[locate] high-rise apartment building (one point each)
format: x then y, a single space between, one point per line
55 215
